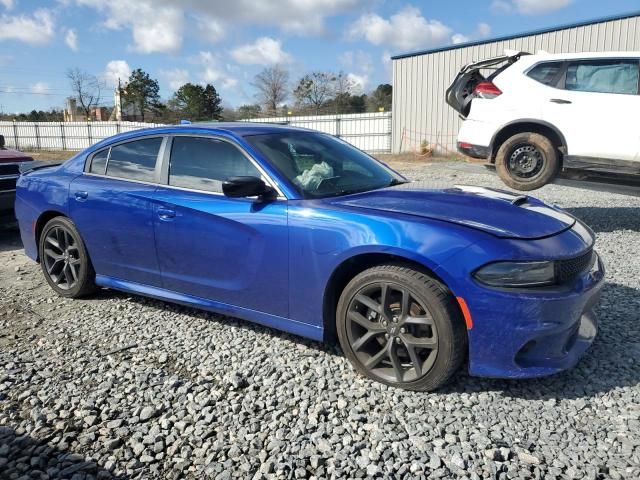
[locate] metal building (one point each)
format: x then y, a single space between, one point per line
420 113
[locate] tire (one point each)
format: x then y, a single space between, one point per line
64 260
527 161
420 314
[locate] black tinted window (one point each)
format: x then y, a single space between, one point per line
545 72
99 161
204 163
610 76
134 160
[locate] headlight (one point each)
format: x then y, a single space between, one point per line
517 274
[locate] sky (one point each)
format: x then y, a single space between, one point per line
227 42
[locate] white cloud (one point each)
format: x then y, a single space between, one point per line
458 38
484 30
304 17
210 29
71 39
264 51
212 72
405 30
155 28
360 82
40 87
176 77
528 7
116 69
37 29
8 4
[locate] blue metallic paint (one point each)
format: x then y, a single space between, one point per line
270 262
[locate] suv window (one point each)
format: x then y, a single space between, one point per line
603 76
134 160
545 73
204 163
99 161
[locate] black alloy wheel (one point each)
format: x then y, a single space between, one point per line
392 333
64 259
401 327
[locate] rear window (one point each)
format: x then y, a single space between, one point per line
603 76
99 161
545 73
134 160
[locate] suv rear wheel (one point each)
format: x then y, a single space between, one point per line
527 161
401 327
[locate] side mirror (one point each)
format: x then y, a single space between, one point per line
1 141
239 187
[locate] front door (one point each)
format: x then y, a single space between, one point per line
229 250
112 205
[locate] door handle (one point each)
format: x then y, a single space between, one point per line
166 213
560 101
80 196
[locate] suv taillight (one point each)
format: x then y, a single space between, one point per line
486 90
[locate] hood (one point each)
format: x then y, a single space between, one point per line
497 212
8 156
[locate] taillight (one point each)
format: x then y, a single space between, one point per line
486 90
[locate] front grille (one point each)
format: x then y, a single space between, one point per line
567 270
10 169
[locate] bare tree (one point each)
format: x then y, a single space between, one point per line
343 89
86 88
273 87
315 89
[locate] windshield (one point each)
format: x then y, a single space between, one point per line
319 165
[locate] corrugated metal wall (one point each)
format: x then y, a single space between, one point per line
420 112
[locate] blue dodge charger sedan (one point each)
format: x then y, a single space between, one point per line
300 231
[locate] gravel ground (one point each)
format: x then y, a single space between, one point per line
117 386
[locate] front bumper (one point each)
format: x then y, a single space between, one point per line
523 334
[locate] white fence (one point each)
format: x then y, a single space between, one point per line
62 135
368 131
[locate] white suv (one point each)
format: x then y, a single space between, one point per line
537 115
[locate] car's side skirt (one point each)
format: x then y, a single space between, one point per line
266 319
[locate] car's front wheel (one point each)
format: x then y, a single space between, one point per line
401 327
64 259
527 161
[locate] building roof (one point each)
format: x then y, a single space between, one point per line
518 35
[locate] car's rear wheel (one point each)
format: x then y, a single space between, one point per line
527 161
64 259
401 327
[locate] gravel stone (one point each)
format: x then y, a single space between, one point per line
197 395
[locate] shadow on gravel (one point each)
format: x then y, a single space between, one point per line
608 219
10 238
24 456
612 362
329 347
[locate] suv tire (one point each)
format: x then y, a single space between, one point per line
401 327
527 161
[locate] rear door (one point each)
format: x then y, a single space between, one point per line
228 250
112 205
595 106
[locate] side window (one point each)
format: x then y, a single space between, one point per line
204 163
545 73
99 161
608 76
134 160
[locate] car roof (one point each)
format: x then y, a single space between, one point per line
574 55
243 128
